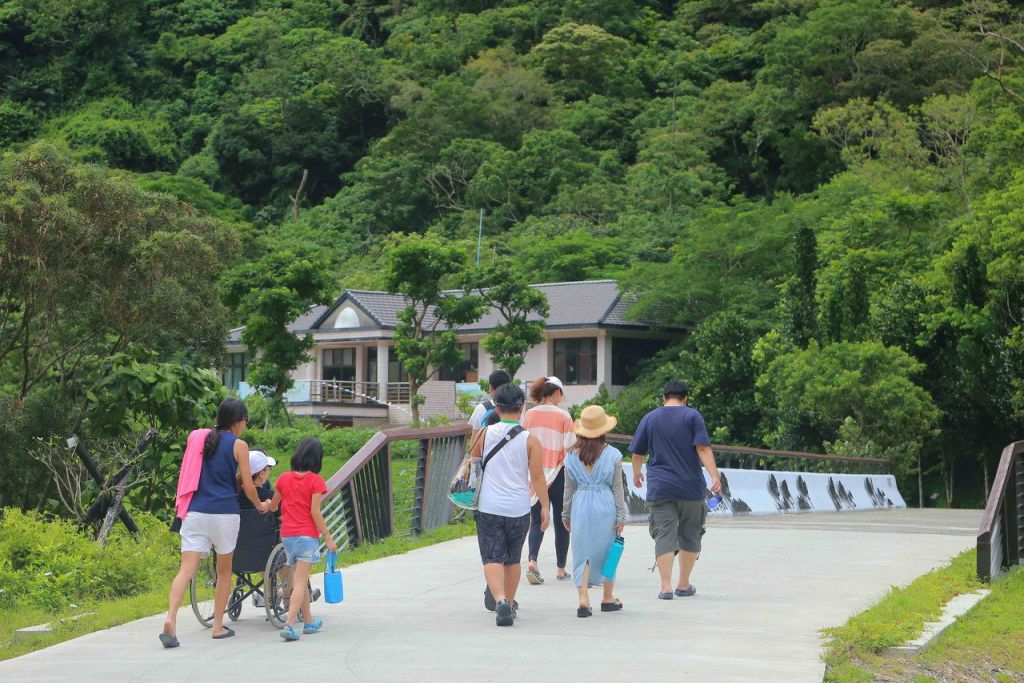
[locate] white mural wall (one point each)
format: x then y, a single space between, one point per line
759 492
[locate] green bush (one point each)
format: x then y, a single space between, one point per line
50 564
280 442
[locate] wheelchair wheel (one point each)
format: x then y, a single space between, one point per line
235 603
202 589
277 588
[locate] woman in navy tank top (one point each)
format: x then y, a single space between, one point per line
212 518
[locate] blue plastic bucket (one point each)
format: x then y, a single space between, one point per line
334 590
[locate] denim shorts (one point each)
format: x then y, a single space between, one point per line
301 549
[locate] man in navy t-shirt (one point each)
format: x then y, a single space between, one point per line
677 441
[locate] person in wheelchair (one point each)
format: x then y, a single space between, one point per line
259 464
256 532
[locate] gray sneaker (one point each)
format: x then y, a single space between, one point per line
489 603
503 616
257 600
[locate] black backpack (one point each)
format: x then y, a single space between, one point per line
490 416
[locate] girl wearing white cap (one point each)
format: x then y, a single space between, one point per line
553 427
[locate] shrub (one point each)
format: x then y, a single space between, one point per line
50 563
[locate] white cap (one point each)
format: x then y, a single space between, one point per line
557 382
259 461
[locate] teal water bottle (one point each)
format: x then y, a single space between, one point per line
611 561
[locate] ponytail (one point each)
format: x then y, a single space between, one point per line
542 388
230 412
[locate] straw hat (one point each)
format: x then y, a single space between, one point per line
594 422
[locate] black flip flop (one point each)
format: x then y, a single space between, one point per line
226 634
611 606
664 596
169 640
583 612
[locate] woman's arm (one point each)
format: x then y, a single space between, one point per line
570 491
618 490
321 525
242 458
540 484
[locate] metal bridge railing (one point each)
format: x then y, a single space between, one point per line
396 484
749 458
1001 535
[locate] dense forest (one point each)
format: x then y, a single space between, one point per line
826 194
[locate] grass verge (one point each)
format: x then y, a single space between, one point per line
114 612
986 644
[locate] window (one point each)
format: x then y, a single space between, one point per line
339 364
628 356
576 360
465 370
234 371
347 318
396 371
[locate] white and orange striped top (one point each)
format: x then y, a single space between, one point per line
553 427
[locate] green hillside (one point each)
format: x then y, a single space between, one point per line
827 194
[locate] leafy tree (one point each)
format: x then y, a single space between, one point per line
800 291
866 381
583 60
92 264
419 268
268 294
113 133
523 310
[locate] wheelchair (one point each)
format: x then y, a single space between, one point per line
260 568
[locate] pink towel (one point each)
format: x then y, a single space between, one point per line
191 468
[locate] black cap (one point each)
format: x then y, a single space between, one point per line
676 388
509 397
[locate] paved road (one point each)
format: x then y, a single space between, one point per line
766 586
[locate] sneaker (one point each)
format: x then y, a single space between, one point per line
489 603
257 600
315 595
504 616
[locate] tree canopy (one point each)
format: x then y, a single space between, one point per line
804 187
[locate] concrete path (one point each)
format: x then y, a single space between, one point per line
766 585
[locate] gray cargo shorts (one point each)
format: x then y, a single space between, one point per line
677 525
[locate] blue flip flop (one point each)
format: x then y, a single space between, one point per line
289 633
313 627
169 640
690 590
227 634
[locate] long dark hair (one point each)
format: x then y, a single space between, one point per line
229 412
589 449
308 456
541 389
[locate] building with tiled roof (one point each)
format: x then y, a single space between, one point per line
354 378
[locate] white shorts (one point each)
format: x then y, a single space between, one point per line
200 530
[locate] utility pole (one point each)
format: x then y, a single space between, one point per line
479 237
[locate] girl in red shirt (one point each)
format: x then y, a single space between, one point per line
298 494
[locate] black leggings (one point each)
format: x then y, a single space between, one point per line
555 492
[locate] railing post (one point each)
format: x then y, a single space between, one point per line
419 497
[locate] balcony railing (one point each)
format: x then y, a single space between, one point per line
1001 535
365 393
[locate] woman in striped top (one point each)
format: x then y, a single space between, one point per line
553 427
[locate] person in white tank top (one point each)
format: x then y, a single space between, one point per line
503 509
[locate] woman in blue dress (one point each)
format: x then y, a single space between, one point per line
594 508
